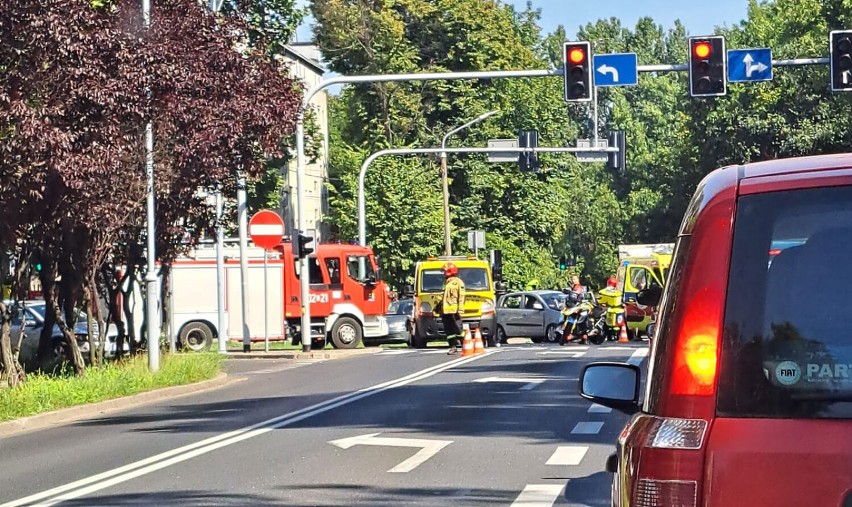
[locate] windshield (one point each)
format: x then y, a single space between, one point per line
402 307
555 301
432 280
40 308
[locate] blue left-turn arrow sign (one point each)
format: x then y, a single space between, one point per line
616 69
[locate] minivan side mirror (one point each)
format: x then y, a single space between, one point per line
614 385
650 297
538 306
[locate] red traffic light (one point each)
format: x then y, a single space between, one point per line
701 50
576 55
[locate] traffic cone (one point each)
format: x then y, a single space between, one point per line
478 345
467 346
622 335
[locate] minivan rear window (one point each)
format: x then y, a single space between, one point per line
787 342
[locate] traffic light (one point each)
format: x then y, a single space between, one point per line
707 66
300 245
617 161
841 60
577 68
563 263
528 162
304 248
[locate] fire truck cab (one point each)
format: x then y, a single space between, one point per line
347 299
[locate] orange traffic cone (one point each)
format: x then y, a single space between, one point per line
622 335
478 344
467 346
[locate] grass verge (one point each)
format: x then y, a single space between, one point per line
44 393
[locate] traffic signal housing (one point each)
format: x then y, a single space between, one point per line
577 68
528 162
617 161
840 61
707 67
563 263
301 245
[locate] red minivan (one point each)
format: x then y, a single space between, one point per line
749 394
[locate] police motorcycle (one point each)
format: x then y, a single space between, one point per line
584 320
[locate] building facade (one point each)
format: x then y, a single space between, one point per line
306 66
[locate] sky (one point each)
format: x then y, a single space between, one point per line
698 16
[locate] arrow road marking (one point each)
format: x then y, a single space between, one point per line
606 69
428 449
531 383
748 60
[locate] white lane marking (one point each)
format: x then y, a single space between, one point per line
531 382
146 466
428 448
571 353
388 352
599 409
538 495
568 455
587 428
638 356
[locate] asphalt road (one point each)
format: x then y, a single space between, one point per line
399 427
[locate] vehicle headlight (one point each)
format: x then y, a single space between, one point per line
488 306
425 308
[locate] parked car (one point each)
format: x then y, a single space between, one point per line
531 314
399 316
749 394
31 317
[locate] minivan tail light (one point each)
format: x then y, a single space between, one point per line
673 433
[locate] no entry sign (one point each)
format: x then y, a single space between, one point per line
266 229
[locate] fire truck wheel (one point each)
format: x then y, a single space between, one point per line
346 333
196 336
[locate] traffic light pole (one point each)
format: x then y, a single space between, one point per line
430 76
362 206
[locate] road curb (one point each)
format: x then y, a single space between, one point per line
320 354
90 410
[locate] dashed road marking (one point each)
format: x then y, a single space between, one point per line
587 428
568 455
538 495
599 409
638 356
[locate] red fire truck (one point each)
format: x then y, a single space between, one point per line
347 299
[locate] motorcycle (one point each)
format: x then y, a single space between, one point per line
584 321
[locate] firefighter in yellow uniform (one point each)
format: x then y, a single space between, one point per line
452 306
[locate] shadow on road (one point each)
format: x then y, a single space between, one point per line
377 496
174 498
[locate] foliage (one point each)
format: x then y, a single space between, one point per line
78 87
574 209
44 393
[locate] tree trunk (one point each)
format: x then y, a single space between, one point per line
72 349
115 295
90 331
98 317
48 287
126 295
10 371
166 297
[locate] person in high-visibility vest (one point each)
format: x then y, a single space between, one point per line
452 306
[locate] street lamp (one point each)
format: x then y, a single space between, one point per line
447 247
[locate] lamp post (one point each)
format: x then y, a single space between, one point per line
444 180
